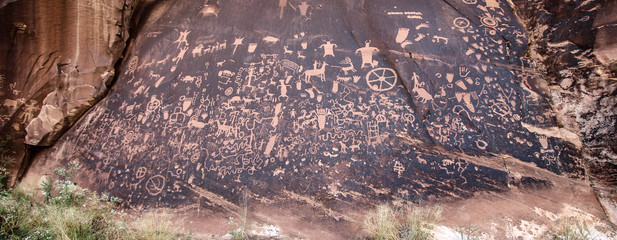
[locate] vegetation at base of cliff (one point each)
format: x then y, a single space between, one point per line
389 223
5 160
67 211
569 229
240 231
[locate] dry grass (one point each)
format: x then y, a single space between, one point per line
389 223
155 226
569 229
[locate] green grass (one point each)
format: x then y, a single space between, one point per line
66 211
5 160
389 223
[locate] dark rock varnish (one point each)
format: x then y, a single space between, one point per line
354 101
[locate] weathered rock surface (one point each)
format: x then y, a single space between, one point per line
574 49
58 57
326 107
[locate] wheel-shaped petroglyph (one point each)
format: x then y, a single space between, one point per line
155 185
461 22
381 79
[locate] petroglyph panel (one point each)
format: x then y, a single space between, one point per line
310 93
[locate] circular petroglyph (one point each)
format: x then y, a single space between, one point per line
489 21
229 91
195 156
141 172
481 144
153 105
381 79
461 22
133 64
155 185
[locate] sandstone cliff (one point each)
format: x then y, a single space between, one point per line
326 107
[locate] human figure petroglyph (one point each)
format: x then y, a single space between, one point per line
182 39
328 48
28 111
321 114
180 54
303 7
367 54
283 87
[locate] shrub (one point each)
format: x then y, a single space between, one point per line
68 211
5 161
389 223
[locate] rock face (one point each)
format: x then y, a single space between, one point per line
334 104
341 100
57 58
573 48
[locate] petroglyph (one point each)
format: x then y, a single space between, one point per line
280 106
367 54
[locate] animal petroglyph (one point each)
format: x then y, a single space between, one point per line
418 90
288 102
315 72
